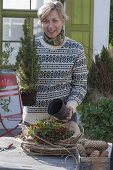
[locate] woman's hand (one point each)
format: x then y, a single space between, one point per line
70 113
74 128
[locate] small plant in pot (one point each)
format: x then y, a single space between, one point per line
5 64
6 67
27 67
7 70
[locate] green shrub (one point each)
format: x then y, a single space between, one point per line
100 77
97 119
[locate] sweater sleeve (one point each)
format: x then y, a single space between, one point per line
79 81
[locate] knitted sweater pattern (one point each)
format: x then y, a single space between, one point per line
63 73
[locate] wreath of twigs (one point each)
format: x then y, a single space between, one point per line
63 147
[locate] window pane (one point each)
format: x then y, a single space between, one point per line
37 30
15 46
36 4
12 29
16 4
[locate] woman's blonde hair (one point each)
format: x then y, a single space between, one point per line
48 7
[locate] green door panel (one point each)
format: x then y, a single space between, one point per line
80 24
81 7
82 37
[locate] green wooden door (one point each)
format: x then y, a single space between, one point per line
80 24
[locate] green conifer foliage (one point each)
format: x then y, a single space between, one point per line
27 61
100 77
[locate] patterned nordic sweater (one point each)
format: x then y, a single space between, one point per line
63 74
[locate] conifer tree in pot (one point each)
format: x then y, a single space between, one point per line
27 67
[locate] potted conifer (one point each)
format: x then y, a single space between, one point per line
27 67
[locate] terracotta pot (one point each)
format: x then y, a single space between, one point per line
28 99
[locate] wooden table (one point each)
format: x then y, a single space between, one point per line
15 159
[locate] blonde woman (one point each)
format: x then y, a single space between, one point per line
63 71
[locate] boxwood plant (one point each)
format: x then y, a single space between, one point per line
97 119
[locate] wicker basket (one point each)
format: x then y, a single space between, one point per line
64 147
38 149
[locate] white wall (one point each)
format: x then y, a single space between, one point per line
101 25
